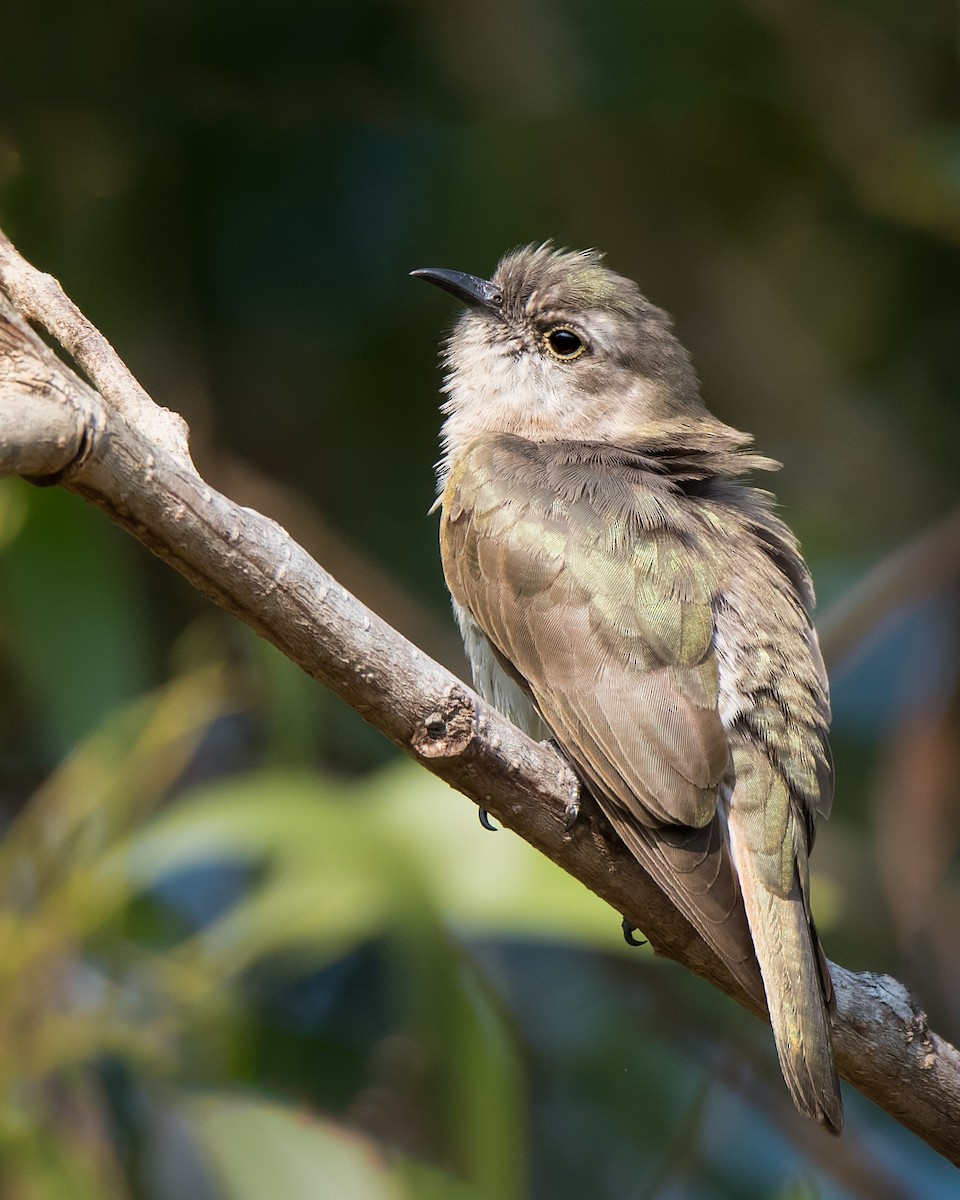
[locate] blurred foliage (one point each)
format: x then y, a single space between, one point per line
245 951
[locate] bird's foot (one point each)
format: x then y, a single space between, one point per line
629 929
485 820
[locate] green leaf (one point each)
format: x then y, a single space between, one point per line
72 612
258 1149
492 883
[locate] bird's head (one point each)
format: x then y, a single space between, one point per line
557 346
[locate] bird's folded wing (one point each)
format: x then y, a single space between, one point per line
594 596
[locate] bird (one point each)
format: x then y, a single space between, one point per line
624 590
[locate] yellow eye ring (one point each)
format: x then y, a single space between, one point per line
565 344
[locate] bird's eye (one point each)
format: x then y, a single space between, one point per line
565 344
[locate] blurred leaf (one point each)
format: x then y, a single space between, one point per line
13 509
495 883
340 868
356 849
293 706
330 882
73 614
70 1164
59 1012
108 785
259 1150
420 1181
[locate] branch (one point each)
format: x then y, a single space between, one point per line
111 445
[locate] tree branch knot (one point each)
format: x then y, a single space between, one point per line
90 432
447 730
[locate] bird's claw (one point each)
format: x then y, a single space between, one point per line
486 822
629 929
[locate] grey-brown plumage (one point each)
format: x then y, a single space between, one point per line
616 584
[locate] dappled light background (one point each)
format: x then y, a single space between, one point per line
247 950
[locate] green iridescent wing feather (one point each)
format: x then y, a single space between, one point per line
583 581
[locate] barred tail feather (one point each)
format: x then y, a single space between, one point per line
790 967
795 976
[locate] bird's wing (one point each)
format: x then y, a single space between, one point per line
581 574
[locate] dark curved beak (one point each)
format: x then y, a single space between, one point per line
468 289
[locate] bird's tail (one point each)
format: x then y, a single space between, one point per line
773 878
792 967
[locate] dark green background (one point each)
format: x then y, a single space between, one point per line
234 194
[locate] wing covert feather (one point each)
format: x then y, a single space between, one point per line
613 635
607 645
